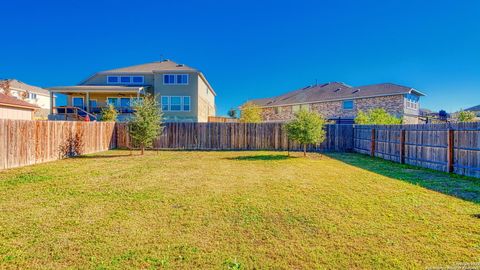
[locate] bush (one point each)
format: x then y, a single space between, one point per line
306 128
377 116
109 114
466 116
250 113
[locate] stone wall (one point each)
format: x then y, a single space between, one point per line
334 109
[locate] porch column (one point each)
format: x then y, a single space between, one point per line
88 101
52 102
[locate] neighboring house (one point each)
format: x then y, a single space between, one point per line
340 102
476 110
183 92
14 108
29 93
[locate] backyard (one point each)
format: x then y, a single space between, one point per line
235 210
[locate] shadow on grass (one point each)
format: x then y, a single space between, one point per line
261 157
466 188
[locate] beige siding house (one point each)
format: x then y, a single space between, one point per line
32 94
183 92
17 109
340 102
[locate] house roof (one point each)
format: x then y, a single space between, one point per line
165 65
15 102
97 88
474 109
334 91
18 85
159 66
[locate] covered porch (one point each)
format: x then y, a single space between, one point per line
91 99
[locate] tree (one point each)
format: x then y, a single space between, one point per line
466 116
306 128
442 115
377 116
250 113
145 125
232 113
109 114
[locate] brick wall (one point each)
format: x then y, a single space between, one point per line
334 109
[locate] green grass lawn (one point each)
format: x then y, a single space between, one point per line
235 210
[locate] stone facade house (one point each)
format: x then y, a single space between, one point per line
183 92
340 102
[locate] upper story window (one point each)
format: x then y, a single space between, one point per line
125 79
411 101
181 79
176 103
32 96
347 104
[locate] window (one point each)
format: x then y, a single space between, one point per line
175 79
347 104
176 103
137 79
32 96
411 101
92 103
295 108
125 102
125 79
182 79
186 104
136 101
165 103
112 79
112 101
168 79
77 102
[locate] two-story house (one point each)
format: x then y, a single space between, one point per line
340 102
183 93
34 95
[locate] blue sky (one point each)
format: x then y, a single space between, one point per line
251 49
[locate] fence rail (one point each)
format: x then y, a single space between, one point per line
444 147
30 142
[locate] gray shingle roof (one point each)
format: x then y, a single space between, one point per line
334 91
474 109
165 65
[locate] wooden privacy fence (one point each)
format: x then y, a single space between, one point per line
444 147
25 142
239 136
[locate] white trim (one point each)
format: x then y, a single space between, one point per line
175 78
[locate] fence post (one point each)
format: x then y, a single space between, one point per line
402 146
372 147
450 150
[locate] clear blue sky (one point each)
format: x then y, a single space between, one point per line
252 49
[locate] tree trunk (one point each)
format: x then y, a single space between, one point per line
304 149
142 148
